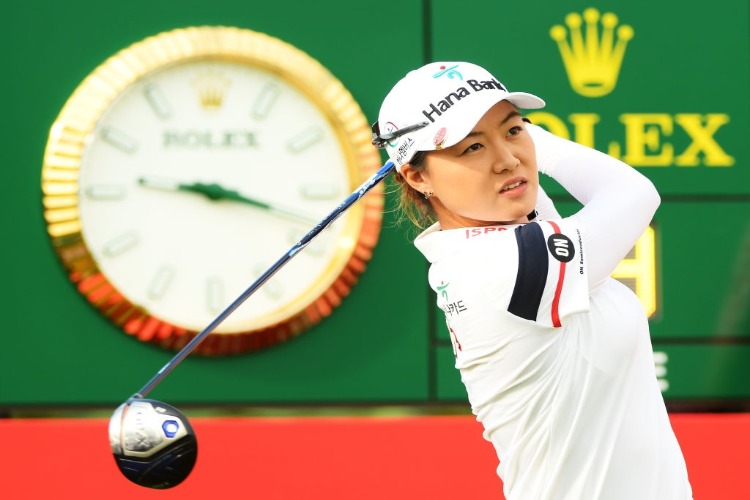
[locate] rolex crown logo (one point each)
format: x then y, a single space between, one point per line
211 87
592 57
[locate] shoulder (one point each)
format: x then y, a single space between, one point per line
437 244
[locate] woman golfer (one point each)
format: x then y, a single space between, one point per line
555 355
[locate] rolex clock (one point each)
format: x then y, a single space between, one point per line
186 165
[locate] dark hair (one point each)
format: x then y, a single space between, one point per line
411 204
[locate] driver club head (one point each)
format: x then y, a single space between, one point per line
153 443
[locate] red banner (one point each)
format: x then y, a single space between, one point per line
326 458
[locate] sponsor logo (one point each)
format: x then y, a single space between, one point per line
436 109
439 138
592 54
449 307
209 139
389 129
451 73
593 48
580 252
442 289
210 87
403 150
561 247
478 231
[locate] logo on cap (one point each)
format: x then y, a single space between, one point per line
439 107
404 150
389 128
439 138
449 72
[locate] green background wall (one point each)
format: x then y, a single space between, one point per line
386 344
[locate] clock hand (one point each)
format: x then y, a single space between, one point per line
216 192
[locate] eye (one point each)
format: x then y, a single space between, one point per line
515 130
474 147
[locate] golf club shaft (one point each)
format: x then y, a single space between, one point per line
328 220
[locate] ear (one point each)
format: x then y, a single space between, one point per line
417 178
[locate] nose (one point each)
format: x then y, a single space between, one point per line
505 158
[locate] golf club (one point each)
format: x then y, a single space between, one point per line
153 443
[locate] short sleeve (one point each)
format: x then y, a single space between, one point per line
551 281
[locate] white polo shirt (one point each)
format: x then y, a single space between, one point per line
555 355
562 381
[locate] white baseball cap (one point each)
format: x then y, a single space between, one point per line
437 105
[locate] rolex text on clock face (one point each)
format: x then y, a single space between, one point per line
198 177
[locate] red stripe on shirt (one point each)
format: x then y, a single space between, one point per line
558 291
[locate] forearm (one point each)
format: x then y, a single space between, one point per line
545 207
619 202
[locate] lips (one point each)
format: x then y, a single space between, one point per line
513 186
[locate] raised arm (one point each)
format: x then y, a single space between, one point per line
545 207
618 201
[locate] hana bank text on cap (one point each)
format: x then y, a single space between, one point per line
437 105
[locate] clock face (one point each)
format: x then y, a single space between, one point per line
192 180
243 130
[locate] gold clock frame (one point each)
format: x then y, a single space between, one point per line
79 116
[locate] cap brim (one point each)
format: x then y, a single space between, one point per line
521 100
525 101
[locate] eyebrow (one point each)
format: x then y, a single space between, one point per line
510 115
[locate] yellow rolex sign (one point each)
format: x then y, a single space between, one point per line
660 85
592 48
